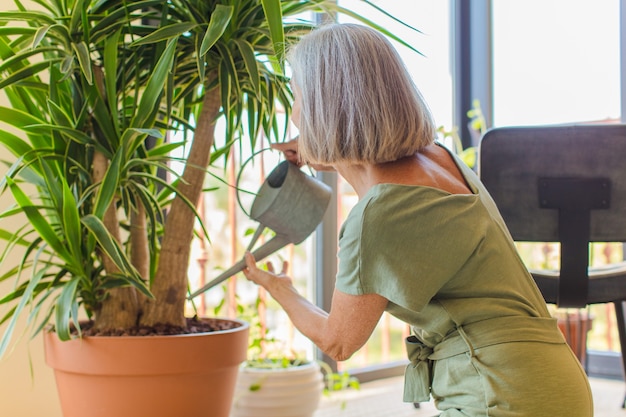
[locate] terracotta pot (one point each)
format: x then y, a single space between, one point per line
154 376
278 392
575 327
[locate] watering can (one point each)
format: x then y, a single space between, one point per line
289 202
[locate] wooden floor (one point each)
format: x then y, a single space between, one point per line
383 398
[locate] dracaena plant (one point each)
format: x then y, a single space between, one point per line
96 89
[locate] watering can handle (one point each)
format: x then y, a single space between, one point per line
271 246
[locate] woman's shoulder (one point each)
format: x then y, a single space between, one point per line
383 201
392 210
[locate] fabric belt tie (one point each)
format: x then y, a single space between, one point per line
417 372
466 339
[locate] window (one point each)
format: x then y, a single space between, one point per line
555 61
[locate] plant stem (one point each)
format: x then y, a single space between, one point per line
170 283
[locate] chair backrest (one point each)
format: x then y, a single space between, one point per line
513 159
562 183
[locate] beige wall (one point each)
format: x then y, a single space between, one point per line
23 394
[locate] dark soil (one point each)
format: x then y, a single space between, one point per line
194 325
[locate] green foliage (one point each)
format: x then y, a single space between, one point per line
53 73
279 362
335 382
477 119
93 80
477 125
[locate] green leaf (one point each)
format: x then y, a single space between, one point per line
225 90
70 132
166 33
220 18
111 64
154 87
108 244
26 72
15 144
19 292
58 115
10 31
10 236
109 185
82 53
338 9
63 308
24 300
274 16
19 59
123 280
389 15
75 19
53 190
217 153
39 222
165 149
156 133
29 16
249 58
71 220
39 35
122 16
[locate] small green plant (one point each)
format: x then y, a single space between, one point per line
477 123
338 381
477 126
467 155
275 363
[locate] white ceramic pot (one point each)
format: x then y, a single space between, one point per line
278 392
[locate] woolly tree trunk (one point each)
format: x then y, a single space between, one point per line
120 308
139 251
170 282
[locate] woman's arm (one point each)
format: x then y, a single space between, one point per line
338 333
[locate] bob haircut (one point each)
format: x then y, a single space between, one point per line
358 102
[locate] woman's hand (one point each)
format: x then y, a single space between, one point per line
266 279
290 150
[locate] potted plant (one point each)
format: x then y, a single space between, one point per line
96 89
276 381
273 387
284 386
87 95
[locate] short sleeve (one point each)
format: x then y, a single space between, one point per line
405 244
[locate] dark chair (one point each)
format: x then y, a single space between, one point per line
564 184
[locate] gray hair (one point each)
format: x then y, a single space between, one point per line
359 103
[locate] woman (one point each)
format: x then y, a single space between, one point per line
425 242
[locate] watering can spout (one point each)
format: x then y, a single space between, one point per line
271 246
291 204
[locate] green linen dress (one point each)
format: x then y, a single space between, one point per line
483 341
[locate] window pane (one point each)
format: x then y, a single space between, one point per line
555 61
